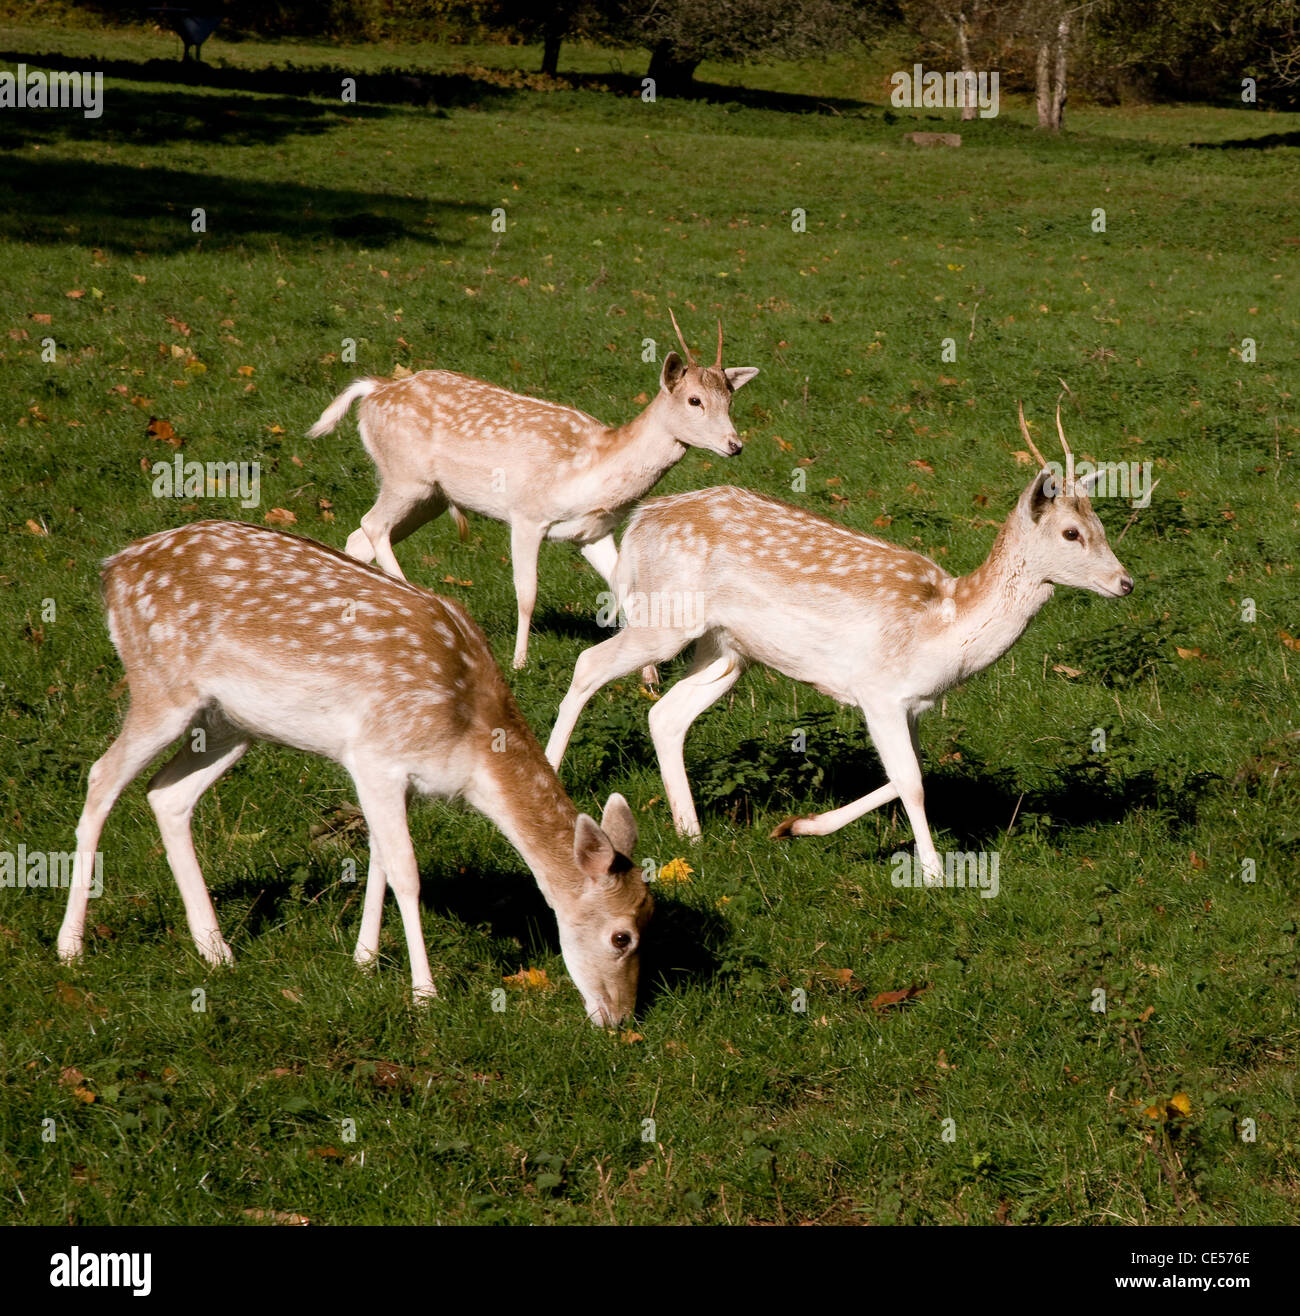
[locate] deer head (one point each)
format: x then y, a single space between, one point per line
602 920
696 399
1062 538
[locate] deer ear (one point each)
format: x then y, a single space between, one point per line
739 376
592 849
1037 499
618 823
671 375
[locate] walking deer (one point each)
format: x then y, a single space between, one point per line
443 441
859 619
231 633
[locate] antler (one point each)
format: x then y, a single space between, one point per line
717 365
1024 430
690 356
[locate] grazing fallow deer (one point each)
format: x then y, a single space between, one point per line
750 579
442 440
232 633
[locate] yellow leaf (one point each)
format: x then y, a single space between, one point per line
246 370
280 516
1188 653
676 870
528 978
1182 1103
35 528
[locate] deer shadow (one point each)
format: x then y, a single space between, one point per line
682 944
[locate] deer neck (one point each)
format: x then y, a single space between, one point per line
518 790
996 602
644 449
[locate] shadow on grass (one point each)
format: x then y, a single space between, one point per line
116 207
683 944
475 88
1264 143
971 801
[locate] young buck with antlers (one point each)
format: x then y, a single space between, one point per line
443 441
750 579
232 633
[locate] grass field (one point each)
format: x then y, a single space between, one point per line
999 1093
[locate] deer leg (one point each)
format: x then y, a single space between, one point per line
712 674
895 737
372 913
174 792
399 510
384 804
525 540
632 647
148 729
603 555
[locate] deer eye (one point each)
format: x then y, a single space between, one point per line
695 402
1070 534
621 940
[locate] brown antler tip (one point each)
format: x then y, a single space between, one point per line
690 356
1024 430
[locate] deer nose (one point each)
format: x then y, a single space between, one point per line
733 447
1126 584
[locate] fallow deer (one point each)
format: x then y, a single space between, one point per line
442 440
751 579
231 633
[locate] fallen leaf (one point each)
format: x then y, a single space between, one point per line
35 528
922 466
451 580
162 431
291 994
629 1037
1289 640
74 293
325 1153
883 521
401 372
275 1217
1022 457
280 516
1197 861
528 978
885 1000
41 318
1188 653
1071 672
246 371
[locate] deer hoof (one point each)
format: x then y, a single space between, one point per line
785 829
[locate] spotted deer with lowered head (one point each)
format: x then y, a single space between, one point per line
443 441
232 633
749 579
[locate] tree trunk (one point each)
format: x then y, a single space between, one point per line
1043 82
968 110
1058 92
551 53
670 72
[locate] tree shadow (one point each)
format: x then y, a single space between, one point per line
1264 143
383 87
416 87
125 209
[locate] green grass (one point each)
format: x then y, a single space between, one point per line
1119 870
